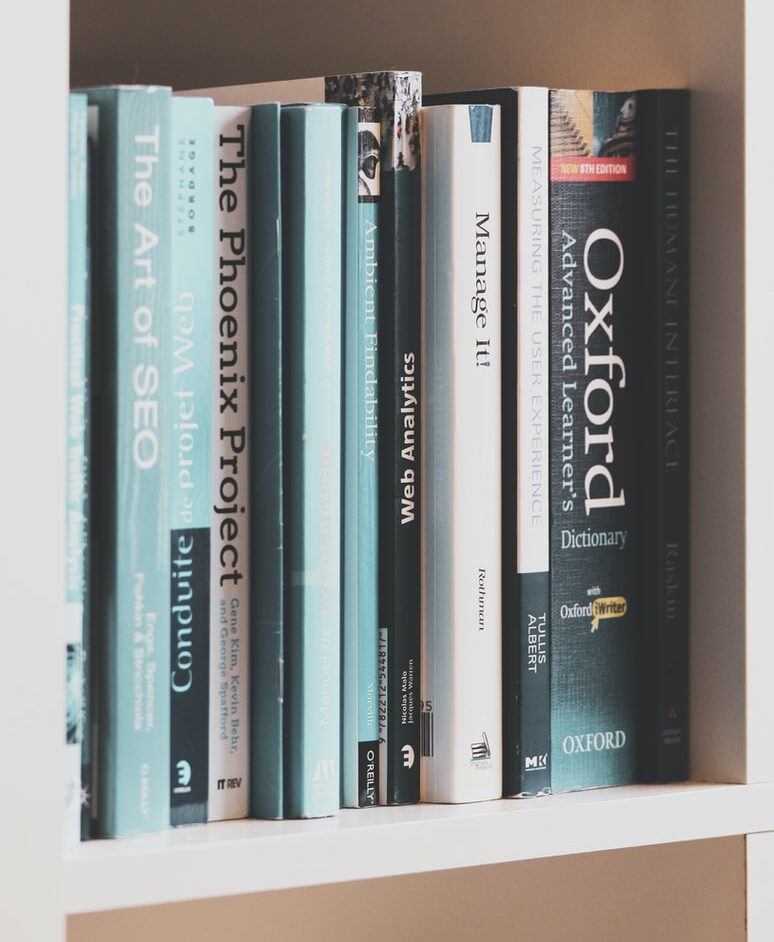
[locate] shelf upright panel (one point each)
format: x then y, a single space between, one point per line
759 419
33 299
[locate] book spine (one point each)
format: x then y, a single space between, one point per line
230 613
663 662
532 474
595 388
77 769
131 546
360 682
312 212
190 455
461 745
399 96
266 465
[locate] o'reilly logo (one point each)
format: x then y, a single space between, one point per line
594 742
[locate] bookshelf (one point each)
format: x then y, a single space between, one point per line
719 48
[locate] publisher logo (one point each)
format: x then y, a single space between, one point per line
324 771
481 751
408 756
536 763
594 742
183 774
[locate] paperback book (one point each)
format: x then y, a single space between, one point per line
461 744
130 546
190 454
229 760
77 514
595 388
312 217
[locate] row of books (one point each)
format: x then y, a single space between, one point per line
377 447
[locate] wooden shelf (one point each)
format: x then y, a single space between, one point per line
237 857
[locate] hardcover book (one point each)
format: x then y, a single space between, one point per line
360 536
525 474
662 168
267 649
312 217
229 757
77 516
130 547
595 387
190 456
461 744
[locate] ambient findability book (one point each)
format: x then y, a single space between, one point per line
360 535
190 363
398 96
595 387
662 171
525 465
130 546
312 220
267 607
461 744
77 760
229 752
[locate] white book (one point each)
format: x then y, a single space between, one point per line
229 745
461 749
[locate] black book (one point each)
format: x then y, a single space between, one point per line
662 118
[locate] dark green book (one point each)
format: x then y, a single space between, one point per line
397 96
662 173
266 464
595 386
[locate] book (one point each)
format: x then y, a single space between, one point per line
77 515
398 96
595 388
360 534
312 218
662 172
266 450
525 474
229 759
190 387
130 545
461 744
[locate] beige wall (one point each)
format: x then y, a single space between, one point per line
670 893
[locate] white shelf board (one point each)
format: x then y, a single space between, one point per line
237 857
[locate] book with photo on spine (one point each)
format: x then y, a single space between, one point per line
191 365
360 535
78 783
461 745
229 746
662 171
595 390
312 241
130 544
525 406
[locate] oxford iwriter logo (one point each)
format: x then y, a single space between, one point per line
612 606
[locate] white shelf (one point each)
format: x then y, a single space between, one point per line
237 857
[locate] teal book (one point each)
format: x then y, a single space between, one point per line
77 764
360 624
398 98
595 438
312 213
189 458
266 465
130 547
